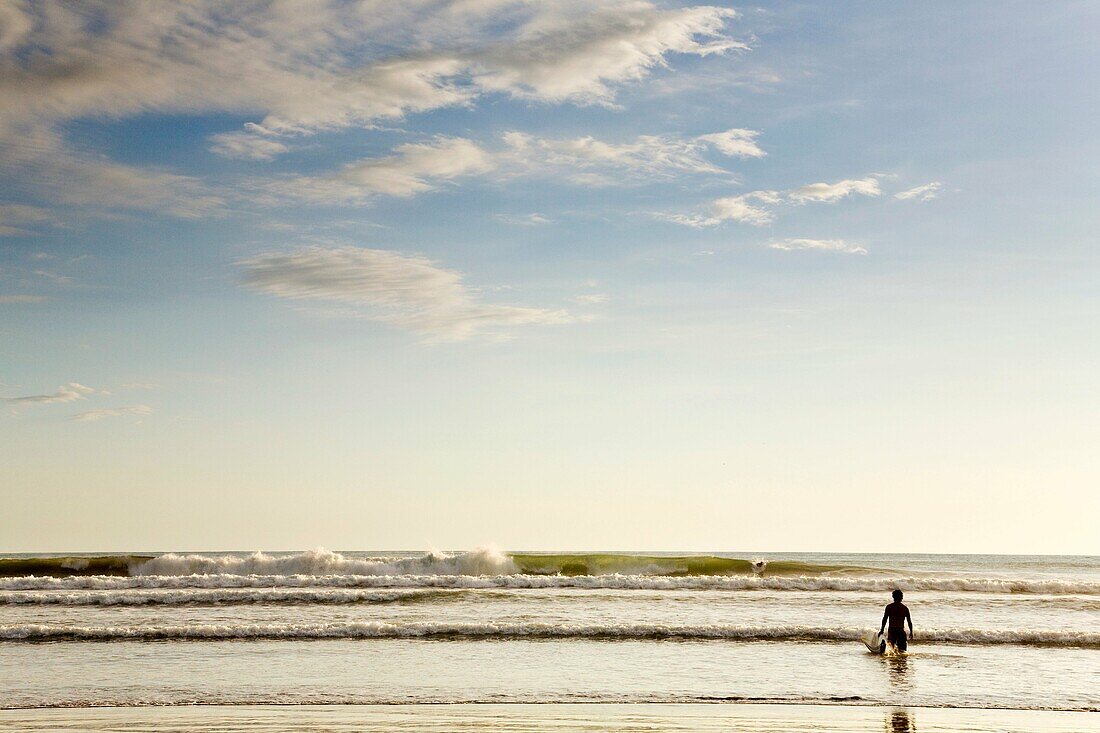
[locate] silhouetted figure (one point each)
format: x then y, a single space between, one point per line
897 613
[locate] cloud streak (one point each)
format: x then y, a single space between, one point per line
588 160
927 192
758 207
108 412
826 245
829 192
14 217
415 168
302 69
70 392
408 291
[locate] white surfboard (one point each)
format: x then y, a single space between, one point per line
873 640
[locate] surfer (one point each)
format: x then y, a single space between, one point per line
897 613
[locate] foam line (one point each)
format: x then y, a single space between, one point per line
527 630
605 582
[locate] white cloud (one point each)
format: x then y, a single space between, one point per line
747 208
413 169
740 208
830 245
128 411
576 51
835 191
587 160
736 142
408 291
591 299
757 207
70 392
927 192
69 176
301 68
253 143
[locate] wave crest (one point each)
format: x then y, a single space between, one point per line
601 582
527 630
321 562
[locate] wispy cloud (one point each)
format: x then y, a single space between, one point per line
737 142
579 51
253 143
527 220
749 208
408 291
588 160
14 217
835 191
66 175
106 412
70 392
301 69
828 245
758 207
418 167
53 277
927 192
413 168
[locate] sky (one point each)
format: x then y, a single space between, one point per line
572 275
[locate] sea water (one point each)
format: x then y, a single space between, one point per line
484 626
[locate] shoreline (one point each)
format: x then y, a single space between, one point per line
560 717
717 702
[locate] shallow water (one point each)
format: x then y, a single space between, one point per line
363 628
565 718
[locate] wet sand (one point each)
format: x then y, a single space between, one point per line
560 718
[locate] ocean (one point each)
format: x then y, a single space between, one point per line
1013 633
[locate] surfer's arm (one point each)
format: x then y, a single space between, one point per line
885 615
909 619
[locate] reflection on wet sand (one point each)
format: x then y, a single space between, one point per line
897 666
900 721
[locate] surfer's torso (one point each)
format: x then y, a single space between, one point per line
897 612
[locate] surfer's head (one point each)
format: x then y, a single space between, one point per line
897 594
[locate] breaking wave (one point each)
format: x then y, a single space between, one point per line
482 561
603 582
220 596
525 630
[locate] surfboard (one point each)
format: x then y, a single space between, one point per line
874 640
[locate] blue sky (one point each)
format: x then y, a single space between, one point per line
572 275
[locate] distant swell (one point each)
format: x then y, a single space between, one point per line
608 582
530 630
483 561
219 596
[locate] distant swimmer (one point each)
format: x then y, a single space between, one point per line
897 613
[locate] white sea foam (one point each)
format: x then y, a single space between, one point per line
516 581
483 561
211 596
526 630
